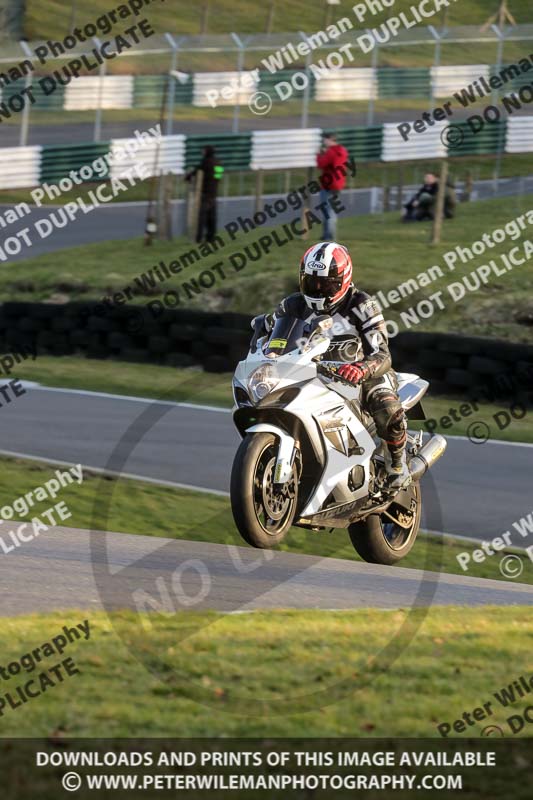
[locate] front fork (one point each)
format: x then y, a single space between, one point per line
286 450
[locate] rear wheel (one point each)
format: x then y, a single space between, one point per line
386 538
263 511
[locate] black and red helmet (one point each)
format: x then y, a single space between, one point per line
325 275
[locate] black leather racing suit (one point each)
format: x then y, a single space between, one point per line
359 335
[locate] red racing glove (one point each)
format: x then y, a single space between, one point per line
355 373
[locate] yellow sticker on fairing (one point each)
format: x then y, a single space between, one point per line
278 343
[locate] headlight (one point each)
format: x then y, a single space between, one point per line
262 381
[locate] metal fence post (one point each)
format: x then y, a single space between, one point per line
494 99
374 64
439 204
236 107
172 84
436 58
98 117
307 90
25 120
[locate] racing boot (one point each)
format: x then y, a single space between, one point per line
398 475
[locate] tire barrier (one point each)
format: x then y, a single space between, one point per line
453 364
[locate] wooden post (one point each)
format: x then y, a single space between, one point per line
386 197
305 206
167 212
205 17
400 187
270 20
193 207
467 191
439 205
258 190
502 16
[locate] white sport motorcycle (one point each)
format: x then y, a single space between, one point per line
309 454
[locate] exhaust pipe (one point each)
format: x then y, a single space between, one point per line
426 457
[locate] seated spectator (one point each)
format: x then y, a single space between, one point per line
422 205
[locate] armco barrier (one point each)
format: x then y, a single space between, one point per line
43 102
148 91
403 82
453 364
58 160
348 83
108 91
233 149
157 157
363 144
426 145
489 140
289 148
447 80
519 135
275 149
20 167
353 83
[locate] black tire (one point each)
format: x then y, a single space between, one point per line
378 540
250 480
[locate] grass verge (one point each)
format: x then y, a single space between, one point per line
46 18
168 383
386 254
147 509
239 675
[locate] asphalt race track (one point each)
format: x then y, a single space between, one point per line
40 133
63 569
481 489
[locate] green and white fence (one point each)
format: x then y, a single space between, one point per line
118 92
261 150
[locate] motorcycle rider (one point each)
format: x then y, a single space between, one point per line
358 340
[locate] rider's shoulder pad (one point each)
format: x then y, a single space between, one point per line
364 306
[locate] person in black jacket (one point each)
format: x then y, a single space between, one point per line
422 205
359 342
211 172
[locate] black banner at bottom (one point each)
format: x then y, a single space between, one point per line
491 767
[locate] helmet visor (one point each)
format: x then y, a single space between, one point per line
320 286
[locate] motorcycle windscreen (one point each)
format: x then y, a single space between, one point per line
288 334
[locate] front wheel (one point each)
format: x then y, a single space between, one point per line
263 511
387 537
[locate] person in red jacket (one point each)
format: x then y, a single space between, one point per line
332 161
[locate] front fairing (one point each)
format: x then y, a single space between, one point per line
288 370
